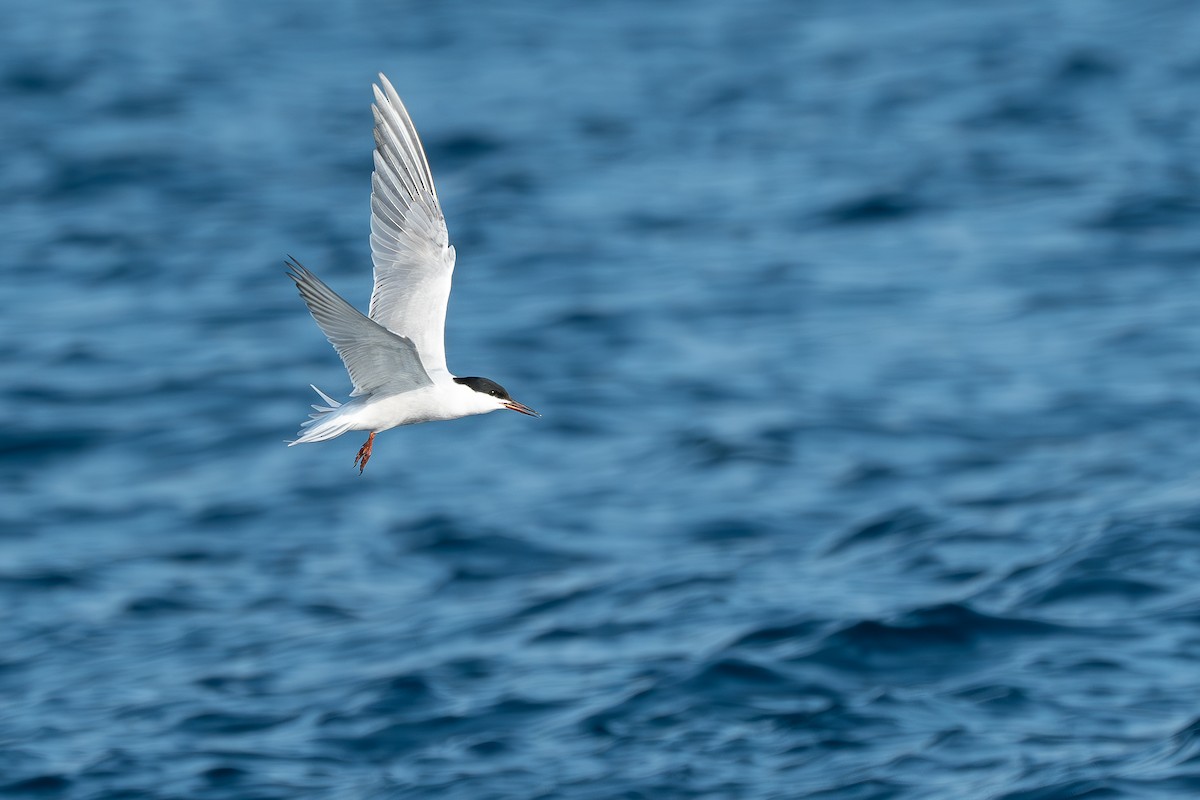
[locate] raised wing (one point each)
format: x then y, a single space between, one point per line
410 246
376 358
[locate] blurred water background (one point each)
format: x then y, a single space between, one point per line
866 335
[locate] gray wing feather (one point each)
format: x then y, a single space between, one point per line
410 246
376 358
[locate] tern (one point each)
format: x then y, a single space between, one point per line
396 354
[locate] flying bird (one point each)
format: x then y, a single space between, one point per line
396 354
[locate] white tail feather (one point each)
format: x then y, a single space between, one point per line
332 403
324 424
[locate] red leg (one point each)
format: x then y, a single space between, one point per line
364 454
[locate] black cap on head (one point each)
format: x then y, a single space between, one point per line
485 386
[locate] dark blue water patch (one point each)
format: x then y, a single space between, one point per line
730 530
396 739
100 174
238 685
224 775
200 556
606 128
157 606
899 525
650 222
553 602
34 447
591 633
998 698
872 207
952 636
34 579
1095 589
328 611
1180 786
398 695
478 555
1036 110
784 633
730 691
1183 746
214 723
735 677
49 785
868 789
1149 210
867 473
709 450
1086 65
35 77
1005 499
516 184
145 105
223 514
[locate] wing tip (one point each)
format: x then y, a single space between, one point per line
297 271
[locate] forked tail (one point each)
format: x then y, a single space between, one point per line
325 424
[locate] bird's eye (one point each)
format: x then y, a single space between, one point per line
494 393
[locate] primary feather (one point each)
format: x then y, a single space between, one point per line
375 357
410 246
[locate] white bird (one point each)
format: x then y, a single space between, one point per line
396 354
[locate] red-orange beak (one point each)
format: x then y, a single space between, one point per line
524 409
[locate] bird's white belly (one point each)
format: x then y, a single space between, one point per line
427 404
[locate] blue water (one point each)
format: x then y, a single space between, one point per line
867 339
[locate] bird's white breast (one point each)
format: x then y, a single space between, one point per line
441 401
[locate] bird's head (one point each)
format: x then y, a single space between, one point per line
491 396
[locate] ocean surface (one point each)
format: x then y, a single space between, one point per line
867 339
